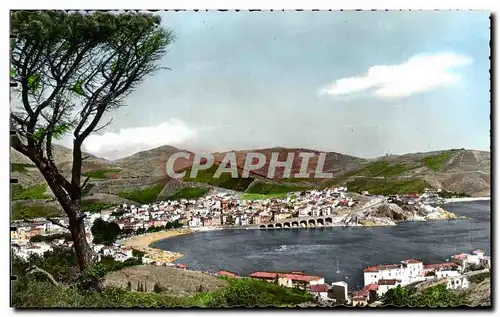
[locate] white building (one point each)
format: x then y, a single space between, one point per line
385 285
320 290
407 272
195 222
339 292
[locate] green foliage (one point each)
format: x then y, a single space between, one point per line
105 232
78 289
77 88
272 189
188 193
30 211
101 173
143 196
34 82
58 131
248 196
250 293
33 192
435 296
224 181
51 237
94 207
387 186
19 167
447 194
437 162
157 288
382 169
137 253
478 278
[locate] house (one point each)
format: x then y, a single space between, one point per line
195 222
441 270
294 279
182 266
385 285
338 292
320 290
359 298
407 271
364 296
121 257
486 262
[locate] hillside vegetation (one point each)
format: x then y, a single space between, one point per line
224 181
463 171
91 289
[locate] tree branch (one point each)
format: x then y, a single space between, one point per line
57 223
35 269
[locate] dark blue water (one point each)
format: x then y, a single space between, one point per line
316 251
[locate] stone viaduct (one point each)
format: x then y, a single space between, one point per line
302 222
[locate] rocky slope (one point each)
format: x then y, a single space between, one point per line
383 213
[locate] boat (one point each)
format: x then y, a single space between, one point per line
338 269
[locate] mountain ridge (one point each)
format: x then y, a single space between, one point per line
456 170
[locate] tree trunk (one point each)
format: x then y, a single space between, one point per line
75 215
82 248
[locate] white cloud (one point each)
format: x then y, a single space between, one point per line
113 145
420 73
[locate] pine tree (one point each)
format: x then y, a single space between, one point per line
129 286
138 286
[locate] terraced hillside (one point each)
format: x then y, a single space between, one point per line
141 177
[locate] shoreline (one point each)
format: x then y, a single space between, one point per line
466 199
143 243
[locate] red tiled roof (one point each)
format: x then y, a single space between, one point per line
460 256
388 282
226 273
294 277
319 288
381 267
412 261
439 265
370 287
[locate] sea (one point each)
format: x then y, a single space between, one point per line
318 251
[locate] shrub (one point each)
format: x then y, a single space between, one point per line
20 167
143 196
33 192
101 173
188 193
28 211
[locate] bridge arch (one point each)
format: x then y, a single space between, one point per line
311 223
262 226
270 225
303 224
295 224
287 225
320 222
278 225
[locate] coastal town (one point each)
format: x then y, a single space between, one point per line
142 225
223 210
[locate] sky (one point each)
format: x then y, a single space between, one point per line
358 83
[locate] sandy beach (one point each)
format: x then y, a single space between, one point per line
143 242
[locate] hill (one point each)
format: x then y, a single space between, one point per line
141 177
